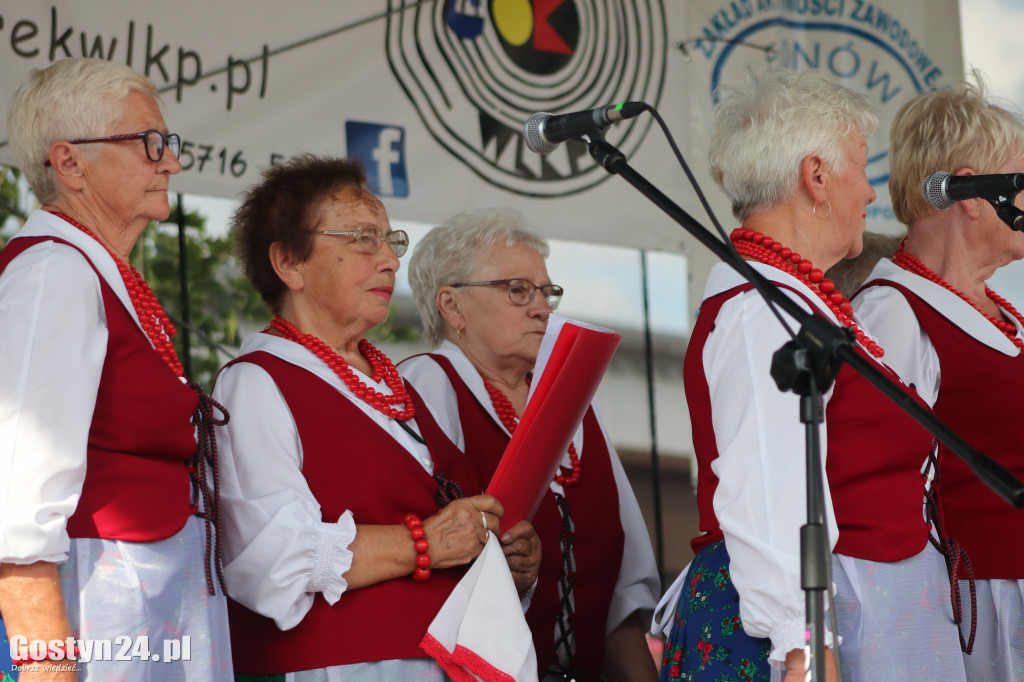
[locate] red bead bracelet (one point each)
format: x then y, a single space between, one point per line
419 540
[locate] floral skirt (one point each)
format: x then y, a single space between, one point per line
707 641
6 667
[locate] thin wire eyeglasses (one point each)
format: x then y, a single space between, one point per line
154 141
521 291
370 239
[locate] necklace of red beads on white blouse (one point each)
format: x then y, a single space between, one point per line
913 264
154 320
380 364
767 250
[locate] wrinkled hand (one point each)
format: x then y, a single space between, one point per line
522 552
457 533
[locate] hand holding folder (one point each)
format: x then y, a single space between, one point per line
573 358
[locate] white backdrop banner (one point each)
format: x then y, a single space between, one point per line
432 95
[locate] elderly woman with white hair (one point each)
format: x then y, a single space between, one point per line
790 152
102 477
484 296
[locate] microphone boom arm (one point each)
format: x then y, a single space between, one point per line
993 474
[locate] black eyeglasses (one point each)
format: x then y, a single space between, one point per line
370 239
521 291
155 143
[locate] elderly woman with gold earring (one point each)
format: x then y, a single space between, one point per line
790 151
483 294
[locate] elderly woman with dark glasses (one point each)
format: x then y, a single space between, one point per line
484 296
350 516
102 477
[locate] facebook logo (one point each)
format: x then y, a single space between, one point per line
381 149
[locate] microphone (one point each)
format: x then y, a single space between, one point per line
544 131
941 190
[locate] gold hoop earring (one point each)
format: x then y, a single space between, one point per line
814 209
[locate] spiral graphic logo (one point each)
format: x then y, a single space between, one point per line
476 70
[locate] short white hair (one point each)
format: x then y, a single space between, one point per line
449 254
70 99
766 127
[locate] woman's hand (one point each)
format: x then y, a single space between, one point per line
457 533
522 552
795 666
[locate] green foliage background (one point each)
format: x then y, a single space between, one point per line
222 306
9 197
221 303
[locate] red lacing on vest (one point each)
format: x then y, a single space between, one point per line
954 554
206 462
566 624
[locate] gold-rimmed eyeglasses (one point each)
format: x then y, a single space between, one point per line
370 239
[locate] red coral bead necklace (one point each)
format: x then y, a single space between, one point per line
155 322
507 415
380 365
913 264
767 250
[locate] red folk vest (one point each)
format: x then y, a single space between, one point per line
874 457
598 541
352 464
978 399
136 485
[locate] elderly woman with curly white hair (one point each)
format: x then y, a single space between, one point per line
484 296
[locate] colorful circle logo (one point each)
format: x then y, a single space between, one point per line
476 70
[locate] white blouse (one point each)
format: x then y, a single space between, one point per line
637 586
278 553
761 497
53 341
908 350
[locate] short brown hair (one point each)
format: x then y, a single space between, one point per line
286 207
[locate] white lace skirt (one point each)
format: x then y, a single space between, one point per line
896 620
145 599
998 654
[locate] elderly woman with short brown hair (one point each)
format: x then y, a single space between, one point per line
350 516
99 540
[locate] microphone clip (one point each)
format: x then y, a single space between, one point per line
1008 212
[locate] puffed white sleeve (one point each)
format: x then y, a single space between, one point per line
887 315
760 499
637 586
53 341
279 553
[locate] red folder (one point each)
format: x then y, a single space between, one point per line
559 398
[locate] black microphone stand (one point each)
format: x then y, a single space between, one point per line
807 365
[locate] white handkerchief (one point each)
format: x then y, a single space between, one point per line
480 633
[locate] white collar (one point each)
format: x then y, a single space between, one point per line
952 307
